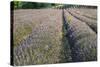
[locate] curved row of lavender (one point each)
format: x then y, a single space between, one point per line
45 43
82 39
85 17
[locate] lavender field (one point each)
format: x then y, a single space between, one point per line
48 36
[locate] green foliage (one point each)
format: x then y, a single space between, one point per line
38 5
17 4
31 5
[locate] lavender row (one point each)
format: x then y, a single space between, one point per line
92 23
82 39
44 45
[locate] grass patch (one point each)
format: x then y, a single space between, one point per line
21 33
69 18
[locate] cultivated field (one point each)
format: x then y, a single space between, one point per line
47 36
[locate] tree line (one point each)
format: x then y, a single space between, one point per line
31 5
37 5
